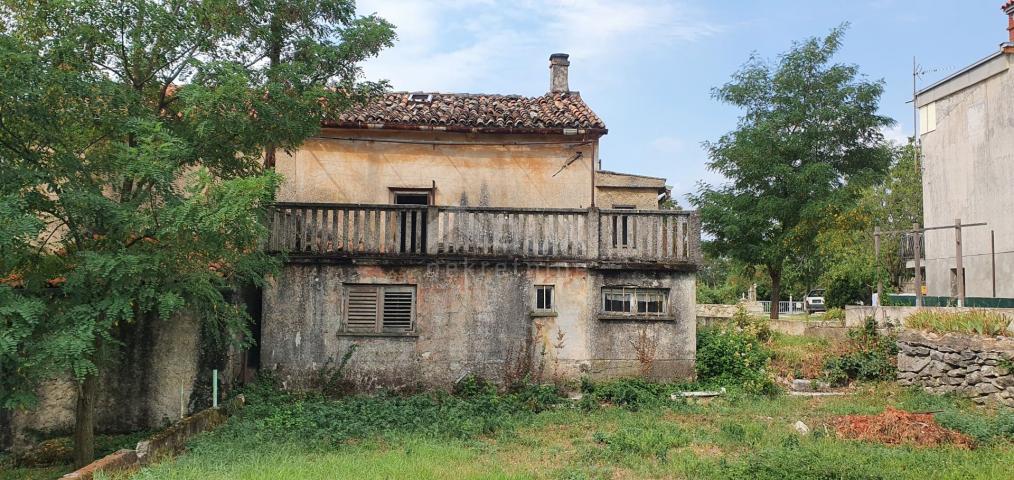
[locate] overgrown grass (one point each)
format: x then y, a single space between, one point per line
973 322
736 436
798 356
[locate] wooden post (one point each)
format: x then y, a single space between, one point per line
918 268
876 253
959 264
992 254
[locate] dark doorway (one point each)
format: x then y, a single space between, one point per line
412 221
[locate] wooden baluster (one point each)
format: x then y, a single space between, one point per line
680 230
555 235
378 238
420 216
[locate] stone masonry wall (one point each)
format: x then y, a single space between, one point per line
973 366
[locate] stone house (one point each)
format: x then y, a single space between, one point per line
966 128
440 235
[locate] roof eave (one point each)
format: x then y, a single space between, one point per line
466 129
963 71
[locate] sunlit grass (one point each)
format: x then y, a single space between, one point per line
734 437
973 322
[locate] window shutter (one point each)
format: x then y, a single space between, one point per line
398 309
362 309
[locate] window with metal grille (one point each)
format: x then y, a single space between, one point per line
544 301
379 309
635 301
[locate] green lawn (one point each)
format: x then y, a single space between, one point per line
734 437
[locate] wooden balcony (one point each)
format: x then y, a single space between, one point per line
307 231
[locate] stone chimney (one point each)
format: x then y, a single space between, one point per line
558 64
1008 8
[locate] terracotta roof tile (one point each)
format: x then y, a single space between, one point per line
471 112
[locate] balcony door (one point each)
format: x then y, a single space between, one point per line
412 223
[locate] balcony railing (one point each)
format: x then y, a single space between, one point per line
354 230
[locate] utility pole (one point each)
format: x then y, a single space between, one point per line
915 118
880 281
916 73
992 254
960 268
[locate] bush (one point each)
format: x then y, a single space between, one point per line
975 322
753 325
733 357
835 313
476 408
721 295
868 355
630 393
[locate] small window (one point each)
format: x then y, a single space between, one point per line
544 298
927 118
420 98
379 309
635 301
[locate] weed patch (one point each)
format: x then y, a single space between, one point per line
867 355
972 322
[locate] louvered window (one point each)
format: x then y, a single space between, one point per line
379 309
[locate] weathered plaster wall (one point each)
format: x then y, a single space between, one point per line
968 172
471 319
639 198
141 391
345 166
967 365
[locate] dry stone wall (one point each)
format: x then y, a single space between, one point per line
973 366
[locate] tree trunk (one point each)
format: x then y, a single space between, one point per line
776 290
84 421
274 58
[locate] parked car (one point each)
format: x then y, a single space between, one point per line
814 301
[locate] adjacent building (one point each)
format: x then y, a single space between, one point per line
966 126
439 235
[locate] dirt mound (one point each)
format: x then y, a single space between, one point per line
897 427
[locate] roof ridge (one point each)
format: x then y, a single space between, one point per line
573 93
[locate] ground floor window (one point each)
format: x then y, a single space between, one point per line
635 300
544 298
379 309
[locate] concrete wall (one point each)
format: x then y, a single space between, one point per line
895 316
473 319
141 391
361 166
968 173
639 198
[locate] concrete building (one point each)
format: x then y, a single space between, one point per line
439 235
966 126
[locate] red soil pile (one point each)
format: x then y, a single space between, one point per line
896 427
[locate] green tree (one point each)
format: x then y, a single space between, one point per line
845 243
131 185
809 133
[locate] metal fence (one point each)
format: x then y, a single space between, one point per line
784 306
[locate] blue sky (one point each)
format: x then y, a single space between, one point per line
647 67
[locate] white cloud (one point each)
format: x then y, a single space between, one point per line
896 134
489 45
